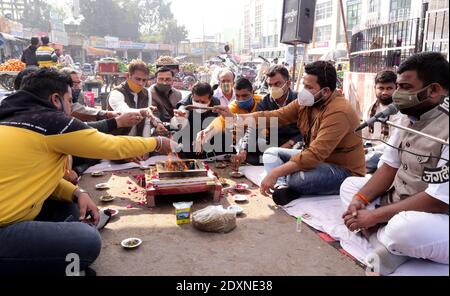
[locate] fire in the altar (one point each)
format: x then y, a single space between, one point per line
176 168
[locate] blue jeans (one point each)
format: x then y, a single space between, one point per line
325 179
372 163
41 247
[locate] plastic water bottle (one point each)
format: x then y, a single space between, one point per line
299 224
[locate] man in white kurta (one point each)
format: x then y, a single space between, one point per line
402 209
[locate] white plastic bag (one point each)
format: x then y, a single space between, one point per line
214 219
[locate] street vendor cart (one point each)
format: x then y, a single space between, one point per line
8 73
112 73
7 79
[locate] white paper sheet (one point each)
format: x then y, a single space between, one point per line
254 173
108 166
326 214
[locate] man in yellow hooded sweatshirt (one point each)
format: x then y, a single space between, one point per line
44 218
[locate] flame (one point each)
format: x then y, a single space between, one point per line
175 164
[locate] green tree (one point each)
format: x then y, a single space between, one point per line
147 20
153 38
153 15
129 28
109 17
36 14
172 33
157 22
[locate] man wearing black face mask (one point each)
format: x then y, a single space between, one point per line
164 96
79 110
385 85
104 122
402 210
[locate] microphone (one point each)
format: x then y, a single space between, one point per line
391 110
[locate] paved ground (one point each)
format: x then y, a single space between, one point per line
265 242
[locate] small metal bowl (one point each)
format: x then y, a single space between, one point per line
131 243
237 175
107 198
241 187
236 209
241 198
102 186
97 174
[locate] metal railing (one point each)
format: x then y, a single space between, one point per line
383 47
436 31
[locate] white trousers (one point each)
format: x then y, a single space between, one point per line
413 234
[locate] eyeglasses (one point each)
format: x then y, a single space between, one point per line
164 79
137 79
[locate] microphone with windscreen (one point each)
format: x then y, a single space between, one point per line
391 110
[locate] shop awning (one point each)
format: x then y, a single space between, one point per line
92 51
6 37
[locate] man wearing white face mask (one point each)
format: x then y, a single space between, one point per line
332 151
280 96
191 122
225 93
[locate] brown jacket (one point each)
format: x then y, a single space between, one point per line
328 131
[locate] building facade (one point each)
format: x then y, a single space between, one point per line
386 32
262 23
12 9
328 37
200 51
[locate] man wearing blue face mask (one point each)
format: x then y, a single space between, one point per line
287 136
332 150
402 210
245 103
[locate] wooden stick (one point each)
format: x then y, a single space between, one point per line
192 107
345 27
302 67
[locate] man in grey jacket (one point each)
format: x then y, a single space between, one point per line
164 96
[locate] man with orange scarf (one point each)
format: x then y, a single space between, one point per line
132 96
